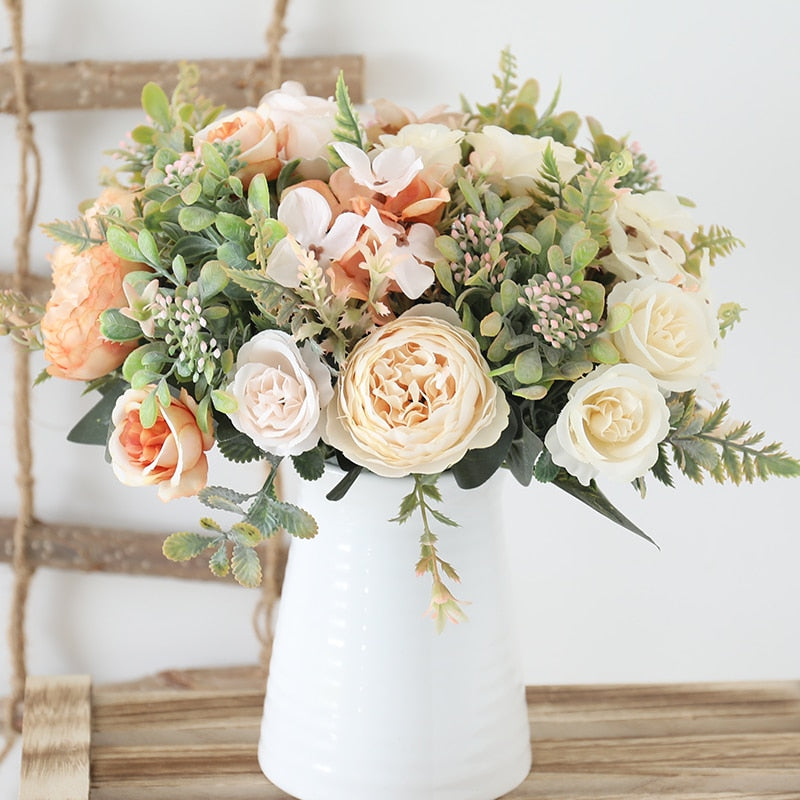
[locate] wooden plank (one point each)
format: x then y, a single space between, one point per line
93 549
193 734
55 739
235 82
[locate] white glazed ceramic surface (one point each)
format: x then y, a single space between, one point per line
365 701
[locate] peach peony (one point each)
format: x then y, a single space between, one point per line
170 454
85 285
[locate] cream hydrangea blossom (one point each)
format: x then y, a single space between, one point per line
641 236
611 425
414 396
672 333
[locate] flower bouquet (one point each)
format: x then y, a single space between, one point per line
466 291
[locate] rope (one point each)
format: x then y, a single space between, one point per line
28 196
275 33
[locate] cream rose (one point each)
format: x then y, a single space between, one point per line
640 235
671 334
84 285
170 454
611 426
281 390
513 160
305 124
438 146
414 396
257 138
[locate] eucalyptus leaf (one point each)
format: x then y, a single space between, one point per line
116 327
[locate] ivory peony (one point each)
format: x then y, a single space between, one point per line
611 426
414 396
671 333
280 389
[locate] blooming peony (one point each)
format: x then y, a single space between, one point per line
611 426
170 454
84 285
414 396
671 334
280 390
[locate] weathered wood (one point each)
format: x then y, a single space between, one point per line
56 735
93 549
194 734
235 82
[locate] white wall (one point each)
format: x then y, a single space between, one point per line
709 89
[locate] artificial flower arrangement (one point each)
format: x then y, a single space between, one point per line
462 291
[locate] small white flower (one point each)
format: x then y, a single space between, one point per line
390 172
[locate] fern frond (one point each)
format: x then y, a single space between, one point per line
719 241
348 127
76 233
505 82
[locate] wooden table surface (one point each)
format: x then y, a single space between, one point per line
193 735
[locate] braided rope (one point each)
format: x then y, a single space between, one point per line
28 196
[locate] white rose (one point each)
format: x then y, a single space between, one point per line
639 236
514 160
414 396
611 426
280 390
438 146
671 334
305 126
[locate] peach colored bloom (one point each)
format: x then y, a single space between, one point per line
170 454
258 142
85 285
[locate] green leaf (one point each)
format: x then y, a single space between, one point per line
246 566
604 352
195 218
223 499
295 521
190 193
619 315
185 545
219 563
449 248
545 470
348 128
233 227
596 500
156 105
148 248
470 194
583 253
114 325
477 466
214 161
123 244
341 488
224 402
258 195
94 425
213 279
522 455
246 534
491 324
444 274
525 240
148 410
235 445
310 465
528 366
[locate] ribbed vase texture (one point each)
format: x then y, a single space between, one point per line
365 700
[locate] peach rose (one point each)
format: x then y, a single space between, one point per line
170 454
257 138
414 396
85 285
